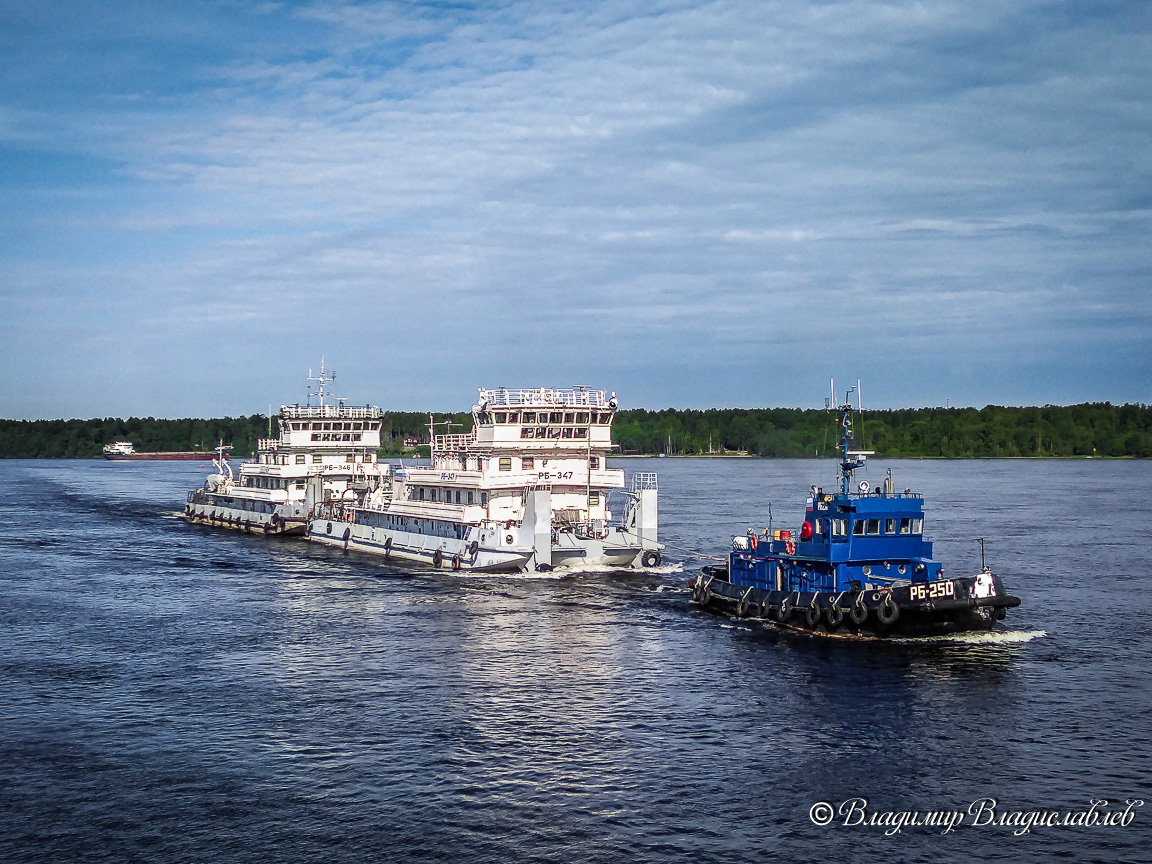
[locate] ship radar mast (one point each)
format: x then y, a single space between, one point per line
850 459
321 380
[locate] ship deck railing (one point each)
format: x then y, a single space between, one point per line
354 412
453 442
643 480
503 397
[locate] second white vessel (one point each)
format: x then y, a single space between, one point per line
526 489
324 451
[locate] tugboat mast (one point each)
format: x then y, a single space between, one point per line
850 459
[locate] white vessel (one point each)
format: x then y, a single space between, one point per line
526 489
324 452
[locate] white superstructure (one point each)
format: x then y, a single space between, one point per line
324 452
526 489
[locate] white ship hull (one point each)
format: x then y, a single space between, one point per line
470 553
451 553
249 516
531 544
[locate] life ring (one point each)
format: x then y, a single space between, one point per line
650 558
888 611
790 545
858 612
437 558
508 539
456 561
752 542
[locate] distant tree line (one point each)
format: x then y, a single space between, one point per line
85 439
1095 429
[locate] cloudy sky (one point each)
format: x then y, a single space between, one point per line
690 203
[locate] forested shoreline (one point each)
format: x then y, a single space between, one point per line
1091 429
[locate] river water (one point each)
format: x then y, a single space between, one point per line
172 693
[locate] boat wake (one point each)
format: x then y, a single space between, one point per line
970 637
977 637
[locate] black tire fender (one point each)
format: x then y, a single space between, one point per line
888 611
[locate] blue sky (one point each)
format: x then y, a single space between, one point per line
694 204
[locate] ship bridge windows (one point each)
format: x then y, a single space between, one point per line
858 528
501 417
527 463
529 416
505 463
594 462
873 527
839 528
300 458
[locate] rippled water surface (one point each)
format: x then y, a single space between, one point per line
174 693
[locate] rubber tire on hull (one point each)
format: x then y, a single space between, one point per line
858 611
833 617
887 612
812 616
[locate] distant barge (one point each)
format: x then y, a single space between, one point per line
119 451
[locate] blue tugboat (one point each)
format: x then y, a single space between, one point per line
859 567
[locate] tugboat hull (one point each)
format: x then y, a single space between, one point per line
930 609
